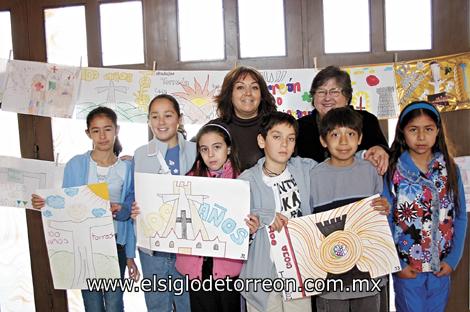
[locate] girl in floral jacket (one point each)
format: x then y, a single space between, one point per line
428 216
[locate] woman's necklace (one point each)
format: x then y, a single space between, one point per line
270 173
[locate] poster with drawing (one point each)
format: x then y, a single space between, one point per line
79 234
194 90
126 91
291 89
353 238
3 77
464 165
374 89
21 177
40 88
193 215
443 81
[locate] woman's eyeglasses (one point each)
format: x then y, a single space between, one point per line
332 92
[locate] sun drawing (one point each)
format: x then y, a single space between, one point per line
199 101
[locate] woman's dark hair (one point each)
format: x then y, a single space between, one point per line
225 108
200 168
340 117
168 97
399 146
109 113
342 79
275 118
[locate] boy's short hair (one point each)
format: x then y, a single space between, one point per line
270 120
340 117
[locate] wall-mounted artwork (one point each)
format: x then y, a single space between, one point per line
193 215
79 234
354 238
40 88
374 90
443 81
21 177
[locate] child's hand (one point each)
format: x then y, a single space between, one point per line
279 221
135 211
378 157
125 157
253 223
445 270
37 201
408 272
133 270
115 208
381 204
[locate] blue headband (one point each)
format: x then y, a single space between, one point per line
418 105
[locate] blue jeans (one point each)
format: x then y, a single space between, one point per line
425 293
162 265
101 301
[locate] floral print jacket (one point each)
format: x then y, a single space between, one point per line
426 226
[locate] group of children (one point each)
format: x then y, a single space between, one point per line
422 195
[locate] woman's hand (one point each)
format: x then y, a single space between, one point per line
135 210
37 201
381 204
378 157
408 272
445 270
133 270
253 223
279 221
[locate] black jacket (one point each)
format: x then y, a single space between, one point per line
308 142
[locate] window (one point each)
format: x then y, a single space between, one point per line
6 44
122 35
201 30
346 26
66 36
408 25
262 28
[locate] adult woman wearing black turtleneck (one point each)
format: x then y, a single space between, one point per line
243 100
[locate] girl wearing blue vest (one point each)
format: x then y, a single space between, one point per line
167 153
428 216
103 165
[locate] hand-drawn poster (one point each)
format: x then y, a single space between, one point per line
194 90
21 177
443 80
464 166
352 238
128 92
79 233
193 215
374 89
40 88
291 89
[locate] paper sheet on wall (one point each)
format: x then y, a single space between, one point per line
79 233
40 88
20 177
193 215
444 81
352 238
374 89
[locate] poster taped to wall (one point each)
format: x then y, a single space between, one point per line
40 88
353 239
193 215
443 81
374 90
79 233
21 177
